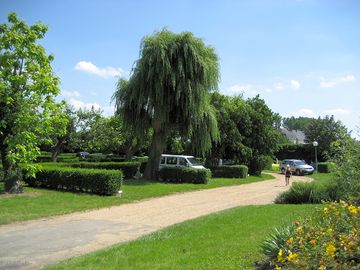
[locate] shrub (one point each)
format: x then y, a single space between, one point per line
326 167
230 171
99 157
313 192
129 169
328 240
184 175
259 163
266 162
275 167
103 182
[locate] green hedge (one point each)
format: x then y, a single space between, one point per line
185 175
103 182
129 169
103 158
230 171
326 167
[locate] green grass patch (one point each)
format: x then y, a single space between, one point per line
38 203
226 240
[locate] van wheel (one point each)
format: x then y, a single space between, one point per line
298 172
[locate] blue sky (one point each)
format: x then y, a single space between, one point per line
302 57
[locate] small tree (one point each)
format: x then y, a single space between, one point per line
325 131
168 90
27 88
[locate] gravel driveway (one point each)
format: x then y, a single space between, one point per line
33 244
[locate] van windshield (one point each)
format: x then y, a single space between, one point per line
193 161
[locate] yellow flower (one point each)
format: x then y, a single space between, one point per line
353 210
290 241
292 257
280 256
277 267
326 210
322 267
329 230
313 242
299 230
330 250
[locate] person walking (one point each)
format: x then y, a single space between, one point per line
287 175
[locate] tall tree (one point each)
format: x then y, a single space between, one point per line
265 135
325 131
296 123
249 131
169 89
27 88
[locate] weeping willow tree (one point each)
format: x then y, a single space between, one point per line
169 89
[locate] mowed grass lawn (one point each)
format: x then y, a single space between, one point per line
38 203
226 240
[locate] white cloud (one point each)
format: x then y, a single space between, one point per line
108 110
327 84
106 72
294 84
240 89
78 104
332 83
65 93
348 78
304 112
279 86
248 90
338 111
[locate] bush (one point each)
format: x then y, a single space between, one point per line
185 175
275 167
230 171
329 240
103 182
99 157
64 157
259 163
326 167
312 192
266 162
129 169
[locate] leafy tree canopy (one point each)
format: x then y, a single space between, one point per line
296 123
168 90
325 131
27 88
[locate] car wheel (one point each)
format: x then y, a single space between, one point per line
283 170
298 172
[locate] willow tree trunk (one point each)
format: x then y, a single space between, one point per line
131 149
157 147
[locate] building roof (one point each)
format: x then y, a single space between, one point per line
295 136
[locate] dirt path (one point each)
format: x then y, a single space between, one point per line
33 244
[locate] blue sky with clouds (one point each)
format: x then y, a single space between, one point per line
302 57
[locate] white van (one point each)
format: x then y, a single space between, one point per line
179 161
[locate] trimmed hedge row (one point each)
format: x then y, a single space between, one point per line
103 182
59 159
230 171
103 158
326 167
184 175
129 169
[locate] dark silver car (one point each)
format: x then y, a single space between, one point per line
299 167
